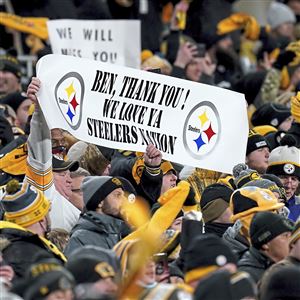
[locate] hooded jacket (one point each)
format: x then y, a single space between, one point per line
25 247
96 230
255 263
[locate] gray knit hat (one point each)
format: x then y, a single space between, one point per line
264 184
242 175
278 14
96 188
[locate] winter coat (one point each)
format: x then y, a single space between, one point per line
293 204
238 243
25 248
255 263
96 230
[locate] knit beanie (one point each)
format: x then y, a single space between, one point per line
214 201
10 63
96 188
266 226
90 268
249 200
14 100
278 14
278 182
255 142
234 286
282 284
295 233
264 184
43 278
23 204
270 114
215 254
284 160
242 175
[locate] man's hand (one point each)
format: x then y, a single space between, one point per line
208 66
185 54
32 89
152 156
7 272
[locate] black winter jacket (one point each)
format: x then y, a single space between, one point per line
255 263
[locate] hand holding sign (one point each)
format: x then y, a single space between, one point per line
32 89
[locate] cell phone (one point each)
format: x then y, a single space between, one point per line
158 70
161 263
201 50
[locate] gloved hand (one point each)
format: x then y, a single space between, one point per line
294 47
283 59
6 133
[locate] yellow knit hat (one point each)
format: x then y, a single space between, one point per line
23 204
249 200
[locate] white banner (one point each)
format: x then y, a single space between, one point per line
190 123
115 42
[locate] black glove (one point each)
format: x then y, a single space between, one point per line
190 199
6 133
284 59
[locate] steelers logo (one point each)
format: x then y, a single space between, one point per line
69 93
202 130
289 169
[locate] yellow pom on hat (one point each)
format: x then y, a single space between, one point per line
23 204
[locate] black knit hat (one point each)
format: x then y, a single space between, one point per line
255 141
217 254
88 267
235 286
43 278
14 100
265 226
96 188
214 201
10 63
282 284
270 114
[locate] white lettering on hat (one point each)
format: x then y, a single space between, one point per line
261 144
289 168
265 195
